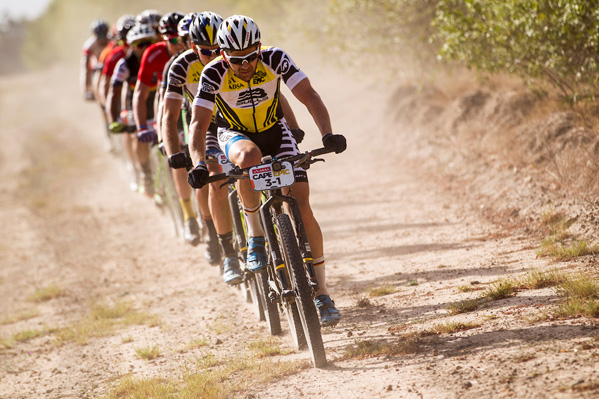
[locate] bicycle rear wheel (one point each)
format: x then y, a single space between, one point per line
303 292
270 309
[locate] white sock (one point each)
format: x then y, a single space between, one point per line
252 218
319 270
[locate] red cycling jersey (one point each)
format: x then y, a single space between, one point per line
112 58
152 63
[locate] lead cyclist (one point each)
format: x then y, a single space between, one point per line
245 86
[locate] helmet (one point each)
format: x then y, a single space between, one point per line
100 28
123 25
238 32
168 23
183 26
140 32
149 17
204 27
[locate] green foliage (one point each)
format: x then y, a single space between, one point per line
556 40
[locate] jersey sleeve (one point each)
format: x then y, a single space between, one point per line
175 82
208 88
121 73
283 66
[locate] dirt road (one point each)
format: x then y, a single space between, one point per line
70 223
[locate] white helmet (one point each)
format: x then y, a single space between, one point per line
204 28
140 32
238 32
184 23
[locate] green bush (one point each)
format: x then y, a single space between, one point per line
555 40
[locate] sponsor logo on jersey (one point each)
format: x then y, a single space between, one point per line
195 77
235 86
259 77
250 97
285 66
208 88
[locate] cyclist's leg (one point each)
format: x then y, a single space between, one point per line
241 151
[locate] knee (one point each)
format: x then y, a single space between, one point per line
248 157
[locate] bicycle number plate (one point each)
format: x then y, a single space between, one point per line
263 177
223 163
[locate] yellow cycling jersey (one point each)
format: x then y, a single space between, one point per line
252 106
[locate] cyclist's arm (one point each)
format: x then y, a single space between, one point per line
85 74
113 101
288 112
160 110
170 134
140 97
304 92
104 87
199 125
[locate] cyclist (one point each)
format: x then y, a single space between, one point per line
139 38
91 65
244 84
191 226
149 17
122 26
150 73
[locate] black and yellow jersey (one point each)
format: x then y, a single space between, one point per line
184 76
252 106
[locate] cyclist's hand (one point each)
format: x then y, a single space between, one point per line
116 127
334 142
147 136
89 96
198 176
179 160
298 134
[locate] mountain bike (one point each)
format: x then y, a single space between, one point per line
289 276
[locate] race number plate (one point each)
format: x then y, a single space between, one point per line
263 177
223 163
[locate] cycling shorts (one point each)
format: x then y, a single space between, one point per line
277 142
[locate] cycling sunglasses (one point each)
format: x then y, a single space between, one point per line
209 53
142 44
239 60
171 39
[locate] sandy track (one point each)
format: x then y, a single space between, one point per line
69 219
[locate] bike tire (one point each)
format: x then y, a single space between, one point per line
256 301
295 325
269 308
303 292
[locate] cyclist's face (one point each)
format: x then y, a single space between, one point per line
206 53
247 68
175 44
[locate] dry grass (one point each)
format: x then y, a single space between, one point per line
20 316
386 289
536 279
407 343
363 302
219 378
267 347
148 353
47 293
501 289
103 320
580 297
453 327
468 305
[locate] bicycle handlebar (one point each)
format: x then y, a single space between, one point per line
238 173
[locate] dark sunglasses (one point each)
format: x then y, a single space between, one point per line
209 53
143 44
239 60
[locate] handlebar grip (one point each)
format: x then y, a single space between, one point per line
320 151
213 178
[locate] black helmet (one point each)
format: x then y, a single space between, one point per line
100 28
168 23
123 25
203 28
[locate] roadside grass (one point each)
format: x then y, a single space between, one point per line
558 243
20 316
268 347
383 290
46 293
224 378
220 326
504 288
102 320
470 287
580 297
148 353
363 302
465 306
194 344
406 344
453 327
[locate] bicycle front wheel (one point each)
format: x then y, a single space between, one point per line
302 289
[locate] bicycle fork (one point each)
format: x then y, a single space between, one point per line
275 202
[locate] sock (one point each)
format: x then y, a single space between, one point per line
187 209
226 243
319 270
252 217
211 229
